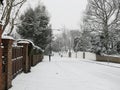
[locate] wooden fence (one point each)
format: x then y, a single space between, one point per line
17 59
36 59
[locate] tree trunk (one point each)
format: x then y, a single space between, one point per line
106 37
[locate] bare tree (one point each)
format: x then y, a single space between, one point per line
1 2
103 15
10 11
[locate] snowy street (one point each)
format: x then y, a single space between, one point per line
59 44
69 74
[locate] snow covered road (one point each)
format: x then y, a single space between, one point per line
68 74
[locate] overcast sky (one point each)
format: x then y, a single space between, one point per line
66 13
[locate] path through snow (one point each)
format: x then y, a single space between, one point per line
68 74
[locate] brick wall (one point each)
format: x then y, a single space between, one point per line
7 53
108 59
1 84
14 63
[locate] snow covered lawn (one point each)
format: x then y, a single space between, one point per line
69 74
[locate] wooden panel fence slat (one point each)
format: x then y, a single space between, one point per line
17 61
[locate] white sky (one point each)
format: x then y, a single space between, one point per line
66 13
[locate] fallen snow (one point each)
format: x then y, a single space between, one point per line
7 37
24 41
69 74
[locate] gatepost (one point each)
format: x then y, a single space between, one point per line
26 61
1 87
7 52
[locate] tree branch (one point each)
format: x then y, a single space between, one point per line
19 3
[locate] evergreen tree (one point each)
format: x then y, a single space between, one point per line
34 26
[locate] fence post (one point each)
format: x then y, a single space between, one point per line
7 52
1 86
26 61
83 55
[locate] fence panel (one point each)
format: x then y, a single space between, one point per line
35 59
17 60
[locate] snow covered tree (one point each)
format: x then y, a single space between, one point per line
9 12
65 39
58 44
82 43
103 17
74 34
34 26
